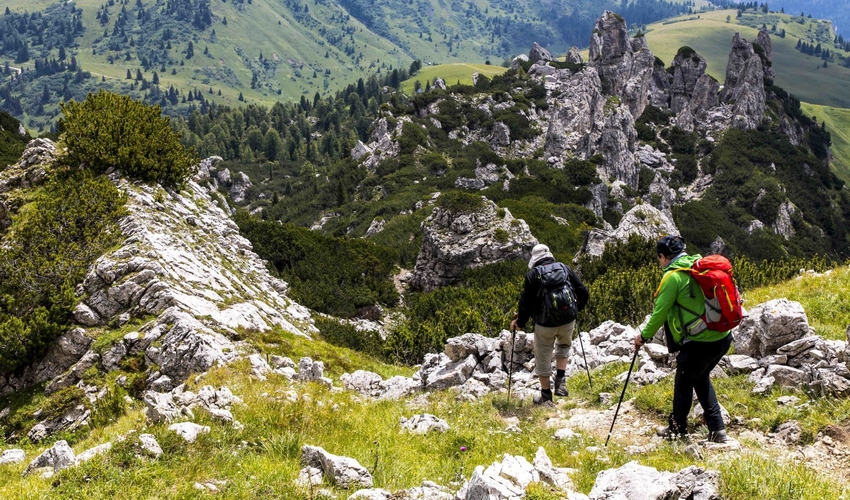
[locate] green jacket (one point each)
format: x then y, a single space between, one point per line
675 289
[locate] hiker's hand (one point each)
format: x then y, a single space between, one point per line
639 341
513 325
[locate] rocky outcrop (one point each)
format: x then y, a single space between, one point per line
576 123
643 220
184 259
766 53
457 240
28 172
625 65
744 87
770 326
63 353
574 56
617 146
538 53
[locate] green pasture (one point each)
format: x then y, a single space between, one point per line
711 36
452 74
837 121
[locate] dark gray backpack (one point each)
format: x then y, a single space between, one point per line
558 305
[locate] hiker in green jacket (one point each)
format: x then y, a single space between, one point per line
700 348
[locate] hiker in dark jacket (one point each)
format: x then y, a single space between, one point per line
675 306
548 336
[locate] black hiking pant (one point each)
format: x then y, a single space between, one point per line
694 363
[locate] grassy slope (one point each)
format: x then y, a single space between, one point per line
711 36
837 121
802 75
253 31
451 73
262 460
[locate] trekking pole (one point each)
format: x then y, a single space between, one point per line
511 363
584 355
621 397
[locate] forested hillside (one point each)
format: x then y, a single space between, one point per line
186 54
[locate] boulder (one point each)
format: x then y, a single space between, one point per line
344 472
189 431
637 482
59 456
12 456
92 452
538 53
149 445
574 56
423 424
770 326
239 187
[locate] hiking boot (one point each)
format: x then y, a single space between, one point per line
561 387
717 436
543 398
670 433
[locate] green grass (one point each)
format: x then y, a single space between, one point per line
837 121
279 417
452 74
711 36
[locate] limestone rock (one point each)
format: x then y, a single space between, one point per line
538 53
501 135
149 445
92 452
574 56
455 241
345 472
69 421
766 54
63 353
643 220
770 326
189 431
12 456
744 87
617 146
638 482
625 65
423 424
59 457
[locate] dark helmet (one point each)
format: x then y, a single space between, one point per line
670 245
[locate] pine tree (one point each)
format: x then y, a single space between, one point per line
139 76
155 79
129 75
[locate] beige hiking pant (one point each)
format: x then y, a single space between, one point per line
548 339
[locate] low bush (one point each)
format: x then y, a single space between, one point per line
109 130
71 222
331 275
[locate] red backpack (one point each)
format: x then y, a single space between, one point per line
723 310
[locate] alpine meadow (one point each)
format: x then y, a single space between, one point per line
286 249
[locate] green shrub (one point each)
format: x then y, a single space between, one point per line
331 275
70 223
460 202
12 143
412 136
108 130
345 335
